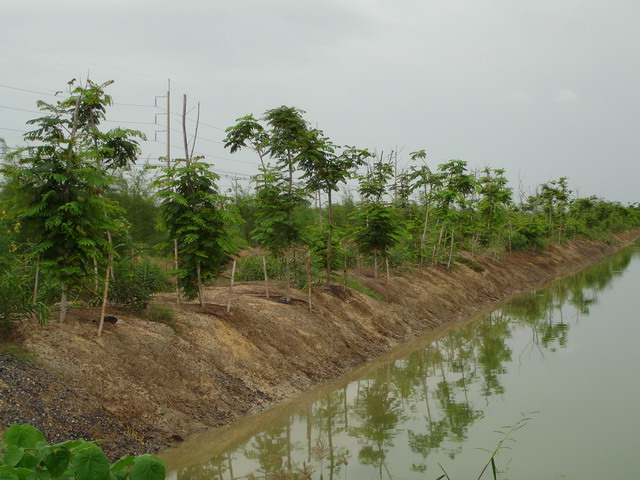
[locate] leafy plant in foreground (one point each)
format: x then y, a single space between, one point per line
25 454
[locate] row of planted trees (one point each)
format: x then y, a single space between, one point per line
63 218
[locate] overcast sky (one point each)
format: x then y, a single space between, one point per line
544 88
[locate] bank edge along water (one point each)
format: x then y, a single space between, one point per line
544 266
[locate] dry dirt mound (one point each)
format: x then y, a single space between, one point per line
144 383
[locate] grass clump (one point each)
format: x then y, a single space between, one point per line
358 286
17 352
161 314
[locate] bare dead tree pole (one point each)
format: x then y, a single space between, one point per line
309 275
386 262
266 277
105 294
233 275
195 133
36 283
344 271
184 127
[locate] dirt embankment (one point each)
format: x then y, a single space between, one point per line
144 384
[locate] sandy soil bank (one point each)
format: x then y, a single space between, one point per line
144 385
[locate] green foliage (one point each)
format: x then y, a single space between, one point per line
161 314
19 353
358 286
276 201
251 269
132 192
317 237
133 288
194 213
25 454
528 236
16 296
378 228
59 180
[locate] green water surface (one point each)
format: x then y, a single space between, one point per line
566 356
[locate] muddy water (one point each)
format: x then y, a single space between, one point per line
560 362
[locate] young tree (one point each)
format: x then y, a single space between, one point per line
428 183
378 224
451 199
61 180
247 132
275 203
193 213
494 203
324 170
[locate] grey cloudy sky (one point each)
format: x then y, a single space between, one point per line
544 88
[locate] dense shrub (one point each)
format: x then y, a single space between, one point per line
133 288
530 236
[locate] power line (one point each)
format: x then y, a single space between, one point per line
19 109
30 91
135 105
75 59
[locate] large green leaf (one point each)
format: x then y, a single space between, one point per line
90 463
57 462
123 463
148 467
24 436
13 455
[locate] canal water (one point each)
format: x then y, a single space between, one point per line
555 372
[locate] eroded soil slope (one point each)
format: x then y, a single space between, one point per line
145 384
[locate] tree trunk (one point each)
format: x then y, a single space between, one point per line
375 265
63 302
450 251
105 295
329 238
386 262
344 271
423 238
95 274
436 251
36 283
233 276
111 272
266 277
200 289
287 276
175 266
309 275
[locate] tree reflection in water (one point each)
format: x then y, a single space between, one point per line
422 403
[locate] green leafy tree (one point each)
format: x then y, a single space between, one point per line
378 225
494 203
60 181
452 201
276 228
247 133
324 170
193 213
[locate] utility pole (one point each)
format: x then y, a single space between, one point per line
176 263
169 123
